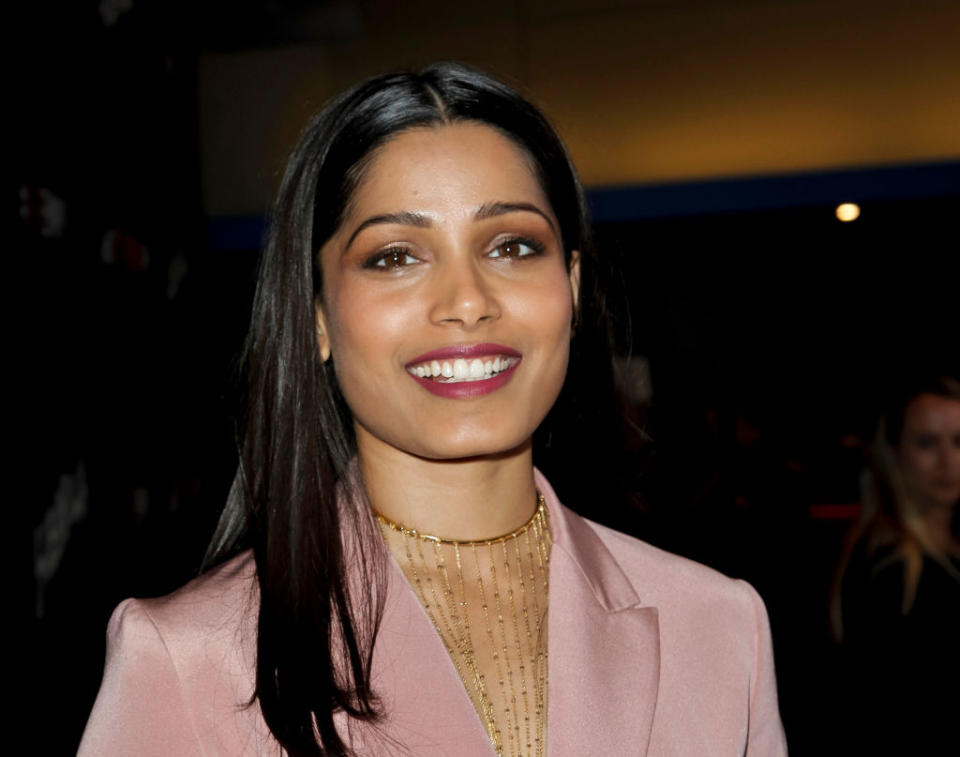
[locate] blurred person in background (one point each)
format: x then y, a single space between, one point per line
896 602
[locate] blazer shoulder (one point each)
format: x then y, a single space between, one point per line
179 670
207 620
714 633
665 579
212 599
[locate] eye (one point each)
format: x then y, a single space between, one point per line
391 259
925 441
518 247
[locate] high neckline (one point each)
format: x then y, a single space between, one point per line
406 531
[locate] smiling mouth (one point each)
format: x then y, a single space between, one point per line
463 370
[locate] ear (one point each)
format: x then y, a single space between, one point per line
323 338
575 282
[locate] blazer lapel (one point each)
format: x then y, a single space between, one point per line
604 661
604 646
427 709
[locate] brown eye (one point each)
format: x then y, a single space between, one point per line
391 259
517 248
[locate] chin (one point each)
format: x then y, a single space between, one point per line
474 448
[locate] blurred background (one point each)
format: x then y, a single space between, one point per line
717 140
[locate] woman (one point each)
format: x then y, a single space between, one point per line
428 267
898 614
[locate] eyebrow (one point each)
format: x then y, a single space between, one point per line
404 218
487 210
493 209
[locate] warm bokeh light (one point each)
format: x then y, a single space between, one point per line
848 211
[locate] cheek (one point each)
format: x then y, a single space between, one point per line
548 313
916 459
549 307
917 463
364 334
364 315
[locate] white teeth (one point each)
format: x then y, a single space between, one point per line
461 369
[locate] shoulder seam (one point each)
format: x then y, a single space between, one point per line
176 673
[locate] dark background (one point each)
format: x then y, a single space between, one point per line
766 332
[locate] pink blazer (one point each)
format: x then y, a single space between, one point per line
650 654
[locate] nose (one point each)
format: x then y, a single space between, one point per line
463 294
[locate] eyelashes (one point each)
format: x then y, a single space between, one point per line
392 258
518 247
398 257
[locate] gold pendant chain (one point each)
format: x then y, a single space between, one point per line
515 725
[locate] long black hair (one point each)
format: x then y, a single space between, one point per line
316 635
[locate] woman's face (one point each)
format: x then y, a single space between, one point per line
929 449
447 302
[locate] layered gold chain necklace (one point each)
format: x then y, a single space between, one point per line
498 586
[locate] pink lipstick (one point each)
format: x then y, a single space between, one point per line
465 351
462 371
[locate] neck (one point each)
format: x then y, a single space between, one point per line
467 499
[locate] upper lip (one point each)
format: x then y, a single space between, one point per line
464 351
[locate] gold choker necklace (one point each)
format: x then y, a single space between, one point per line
507 598
541 508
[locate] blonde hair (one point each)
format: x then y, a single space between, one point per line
891 521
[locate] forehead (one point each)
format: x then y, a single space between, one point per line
931 413
443 169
